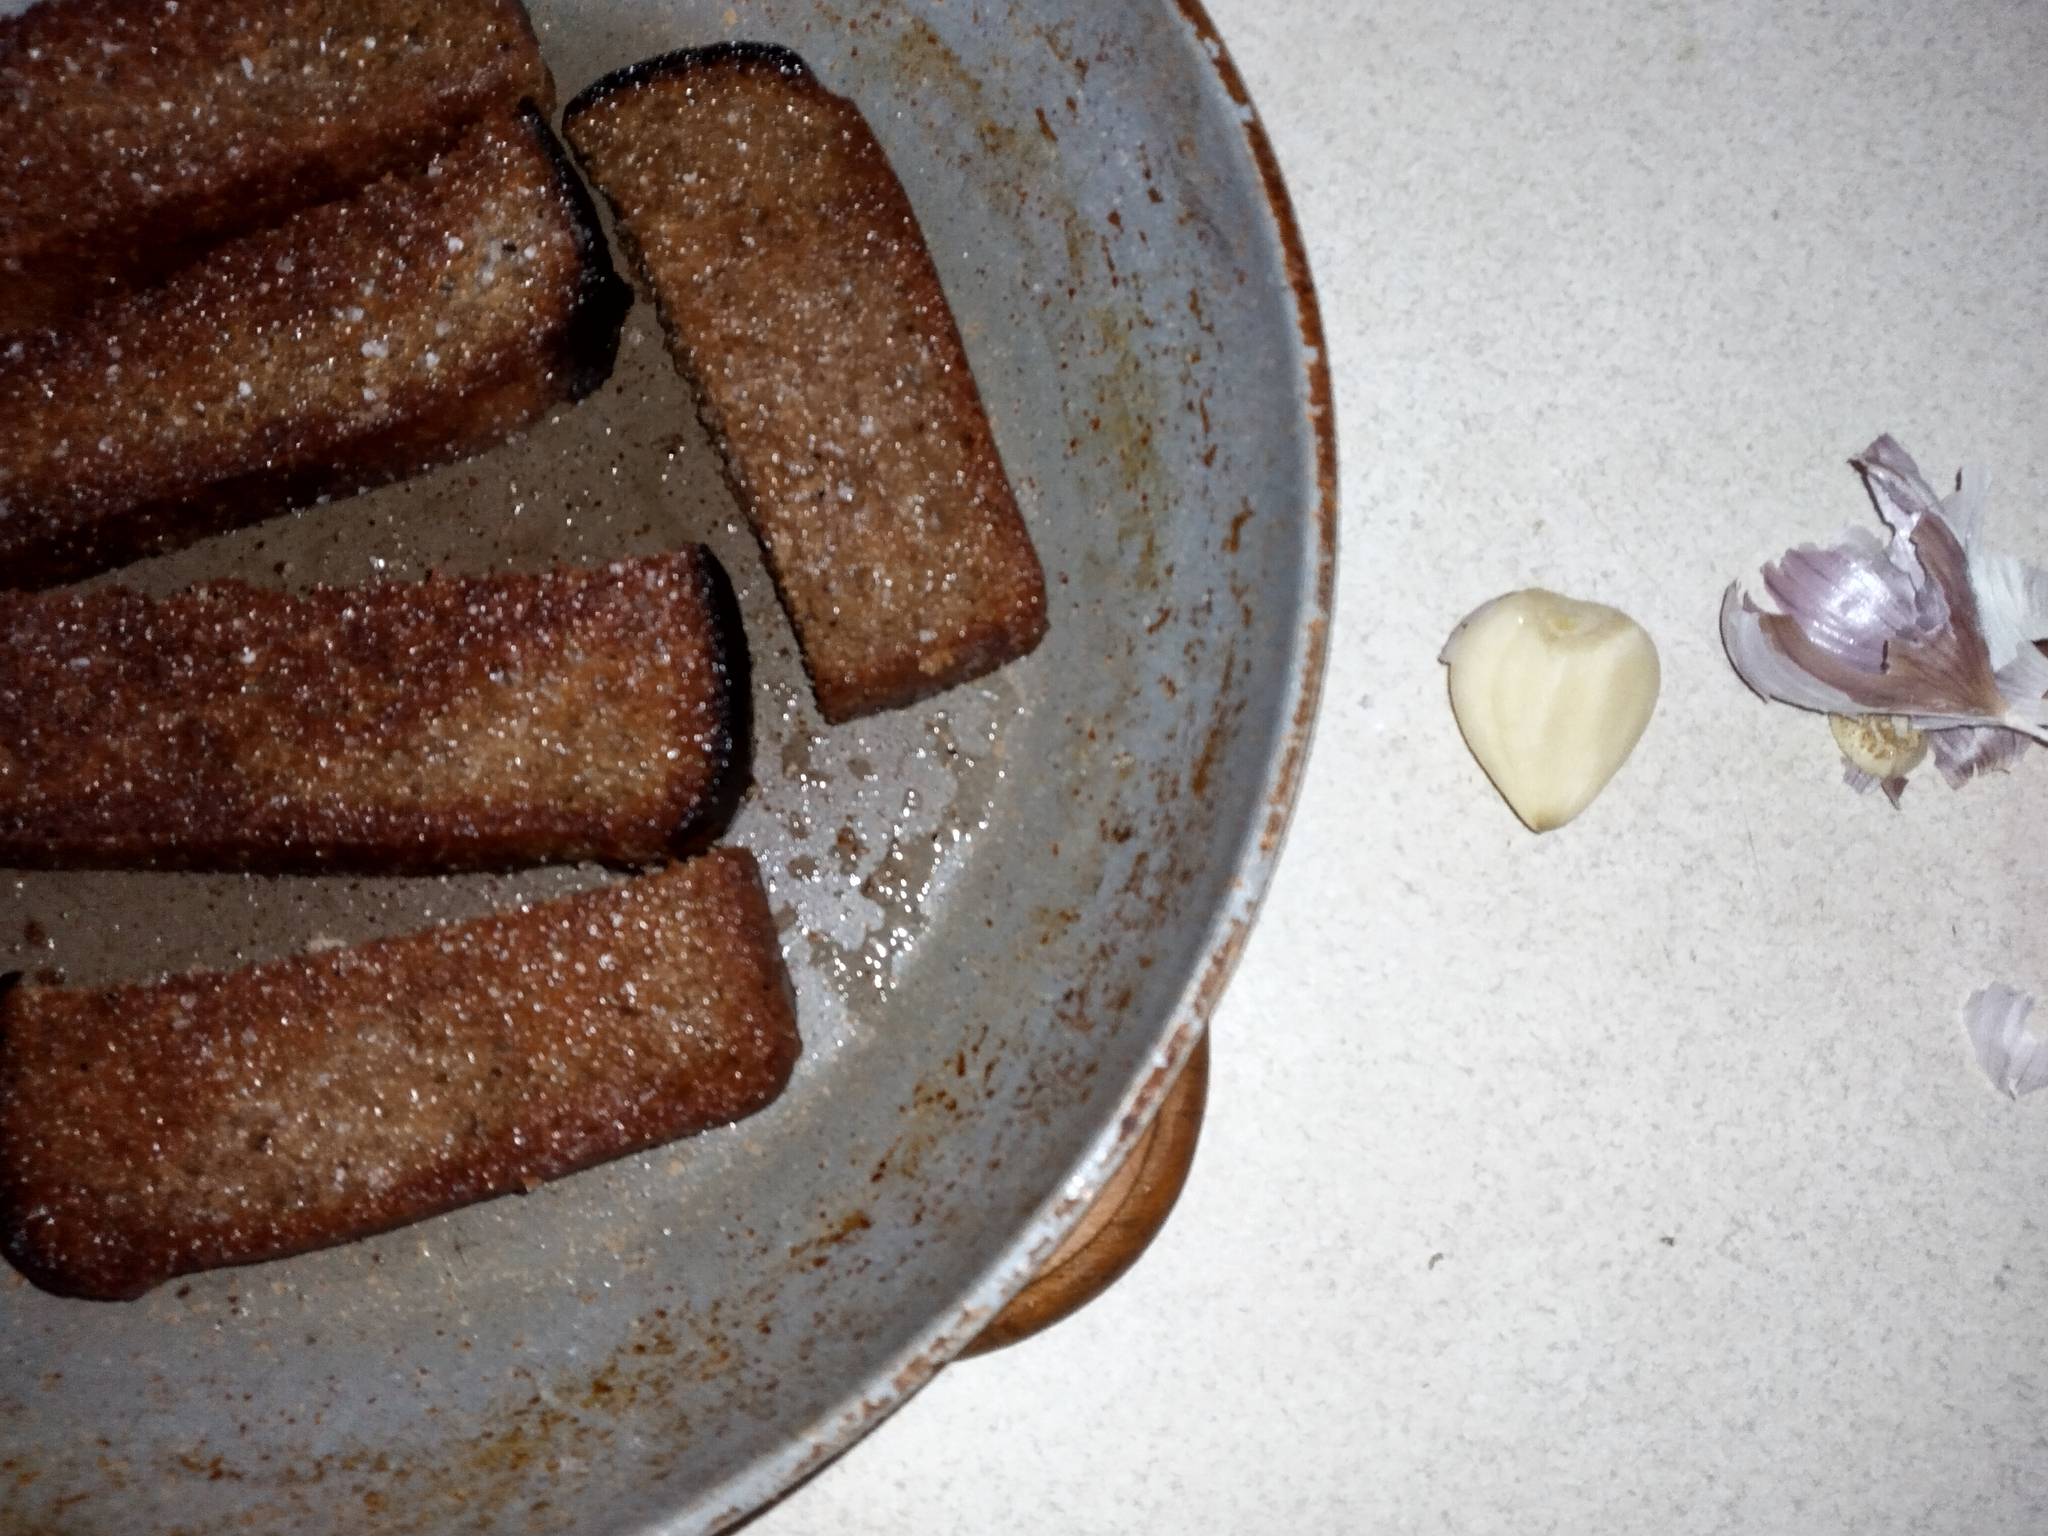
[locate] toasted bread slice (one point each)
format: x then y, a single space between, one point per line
149 1131
418 322
138 133
454 723
800 301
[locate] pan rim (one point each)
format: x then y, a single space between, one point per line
770 1479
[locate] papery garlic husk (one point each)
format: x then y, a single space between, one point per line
1552 695
2012 1056
1963 751
1929 626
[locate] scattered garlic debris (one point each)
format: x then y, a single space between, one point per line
1929 628
2012 1056
1552 694
1878 751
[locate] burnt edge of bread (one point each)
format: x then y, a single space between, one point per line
598 312
772 56
733 661
522 18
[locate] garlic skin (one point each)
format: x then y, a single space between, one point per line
1963 751
1552 694
1929 625
2012 1056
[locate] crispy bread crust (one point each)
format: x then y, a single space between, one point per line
234 1117
418 322
738 54
140 135
598 310
454 723
800 301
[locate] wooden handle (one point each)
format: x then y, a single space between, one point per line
1121 1224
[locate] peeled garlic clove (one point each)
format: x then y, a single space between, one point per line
1552 695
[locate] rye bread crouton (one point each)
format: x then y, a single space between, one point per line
800 301
150 1131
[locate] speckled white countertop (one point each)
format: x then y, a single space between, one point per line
1636 1177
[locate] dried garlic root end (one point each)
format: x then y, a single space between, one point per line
1883 746
1552 694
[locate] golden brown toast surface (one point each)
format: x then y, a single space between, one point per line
138 133
455 723
148 1131
800 299
422 320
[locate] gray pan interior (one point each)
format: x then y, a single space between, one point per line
1008 911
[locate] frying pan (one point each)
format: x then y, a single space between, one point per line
1008 911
